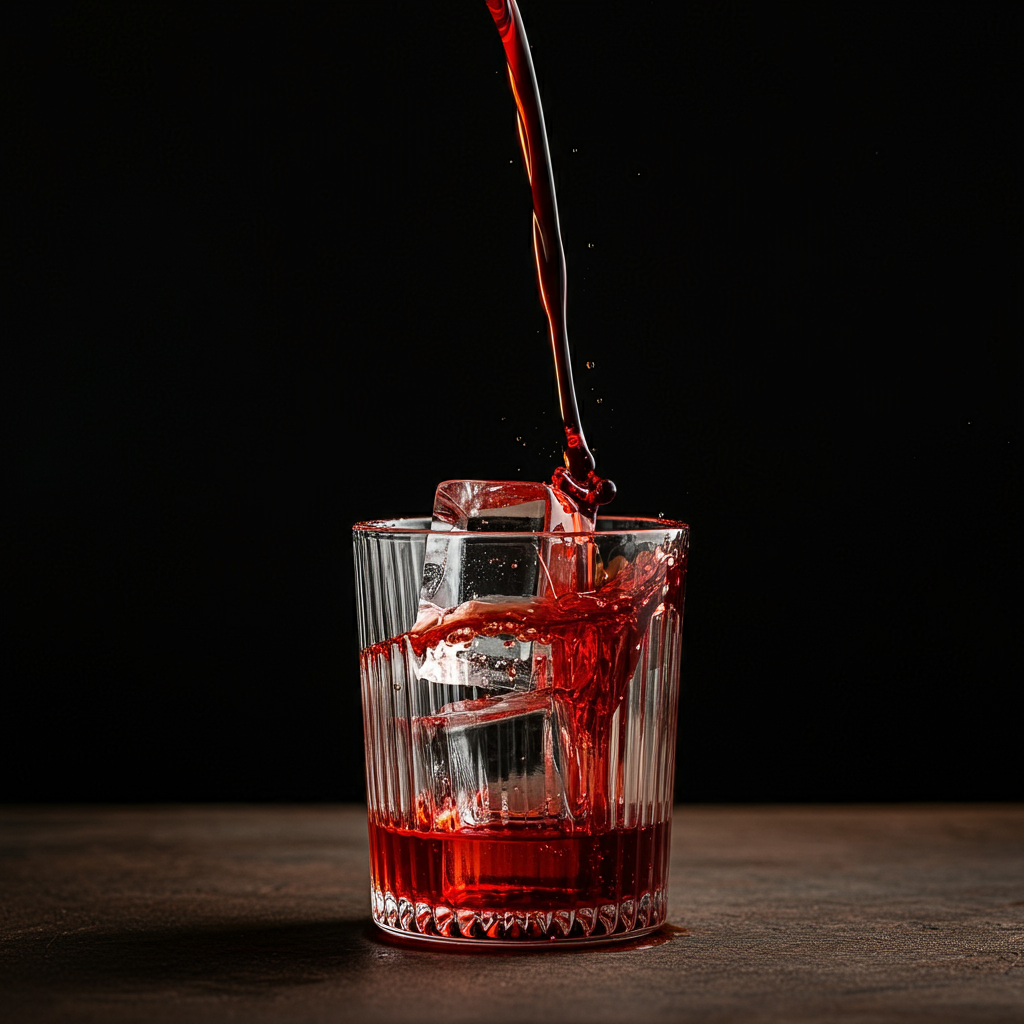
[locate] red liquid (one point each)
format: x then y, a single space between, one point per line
520 883
578 478
595 641
594 865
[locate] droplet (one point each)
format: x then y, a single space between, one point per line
661 515
397 686
600 400
590 245
590 365
519 439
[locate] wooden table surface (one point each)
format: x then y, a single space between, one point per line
260 913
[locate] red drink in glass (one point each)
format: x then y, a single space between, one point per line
540 812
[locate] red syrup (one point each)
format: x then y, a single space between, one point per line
599 869
519 882
578 478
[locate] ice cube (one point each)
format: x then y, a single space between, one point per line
465 568
468 560
491 663
494 759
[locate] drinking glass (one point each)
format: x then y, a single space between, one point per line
520 746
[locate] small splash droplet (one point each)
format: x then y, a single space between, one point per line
519 439
600 400
590 365
397 686
661 515
590 245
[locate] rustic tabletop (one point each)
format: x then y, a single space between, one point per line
260 913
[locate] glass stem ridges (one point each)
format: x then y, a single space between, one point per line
578 478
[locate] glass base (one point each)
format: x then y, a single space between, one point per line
514 929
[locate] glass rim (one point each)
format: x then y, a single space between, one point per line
645 525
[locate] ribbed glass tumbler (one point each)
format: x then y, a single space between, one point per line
520 744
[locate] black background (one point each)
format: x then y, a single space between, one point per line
272 275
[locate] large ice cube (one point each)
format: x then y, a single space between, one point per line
465 568
494 759
468 558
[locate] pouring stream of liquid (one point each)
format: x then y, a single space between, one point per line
578 478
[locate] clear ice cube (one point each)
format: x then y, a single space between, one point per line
494 759
465 568
460 567
492 746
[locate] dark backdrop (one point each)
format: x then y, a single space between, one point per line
272 275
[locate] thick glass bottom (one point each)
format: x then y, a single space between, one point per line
609 922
